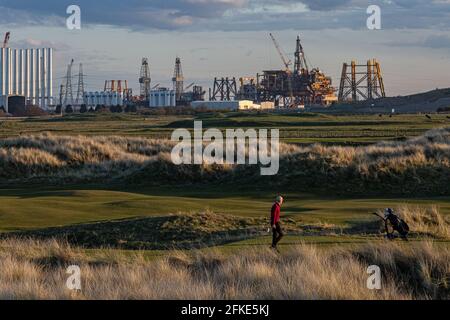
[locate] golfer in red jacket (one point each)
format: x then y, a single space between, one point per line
275 222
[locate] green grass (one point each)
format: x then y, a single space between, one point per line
295 128
25 209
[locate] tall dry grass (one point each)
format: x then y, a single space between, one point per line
36 270
426 220
418 165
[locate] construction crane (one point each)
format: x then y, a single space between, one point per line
156 86
287 62
5 42
189 86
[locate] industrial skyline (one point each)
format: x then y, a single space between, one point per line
220 38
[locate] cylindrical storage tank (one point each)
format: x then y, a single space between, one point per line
15 72
120 99
21 72
105 99
98 98
38 70
49 72
3 73
86 97
32 78
93 99
26 76
114 98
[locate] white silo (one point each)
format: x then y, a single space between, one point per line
114 98
120 99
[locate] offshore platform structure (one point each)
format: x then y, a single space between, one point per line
178 80
145 80
224 89
291 88
361 82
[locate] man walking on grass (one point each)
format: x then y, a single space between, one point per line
275 222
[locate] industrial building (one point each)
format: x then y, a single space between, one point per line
162 97
233 105
104 98
28 73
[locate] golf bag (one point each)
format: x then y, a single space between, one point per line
397 224
393 223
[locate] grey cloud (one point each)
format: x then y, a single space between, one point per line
231 15
437 42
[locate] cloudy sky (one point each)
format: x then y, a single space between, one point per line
230 37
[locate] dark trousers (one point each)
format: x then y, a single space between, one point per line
277 234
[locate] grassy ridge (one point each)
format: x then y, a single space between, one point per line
416 166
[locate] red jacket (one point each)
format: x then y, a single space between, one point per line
275 213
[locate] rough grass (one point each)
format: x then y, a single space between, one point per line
416 166
426 221
37 270
209 229
175 231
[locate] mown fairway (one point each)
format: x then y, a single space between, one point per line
295 127
30 209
